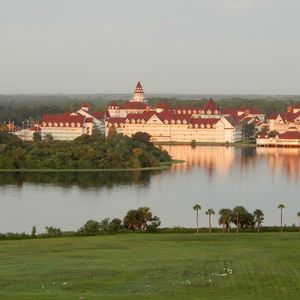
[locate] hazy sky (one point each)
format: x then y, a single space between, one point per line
172 46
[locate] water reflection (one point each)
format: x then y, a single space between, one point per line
80 179
222 160
281 160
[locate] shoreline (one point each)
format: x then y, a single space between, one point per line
163 166
206 144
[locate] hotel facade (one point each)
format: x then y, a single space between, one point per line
205 124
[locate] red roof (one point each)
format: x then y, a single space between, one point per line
291 135
139 86
116 120
114 104
134 105
163 105
289 116
89 120
204 121
99 115
85 104
235 111
64 118
273 116
210 105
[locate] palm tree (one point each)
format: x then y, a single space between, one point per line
298 215
281 207
258 218
225 218
197 207
209 212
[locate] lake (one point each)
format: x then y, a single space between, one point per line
215 177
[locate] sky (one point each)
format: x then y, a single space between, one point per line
172 46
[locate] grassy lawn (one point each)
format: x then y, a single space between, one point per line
153 266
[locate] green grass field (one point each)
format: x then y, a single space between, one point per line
153 266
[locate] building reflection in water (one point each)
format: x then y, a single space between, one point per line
282 159
212 159
222 160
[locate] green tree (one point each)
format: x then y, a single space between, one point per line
48 138
225 218
281 207
142 137
242 218
115 225
196 208
140 219
273 133
104 225
37 137
298 215
33 232
258 218
91 227
209 212
53 231
248 131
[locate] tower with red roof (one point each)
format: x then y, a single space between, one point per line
138 95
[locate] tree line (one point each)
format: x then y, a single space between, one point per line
116 151
142 220
239 217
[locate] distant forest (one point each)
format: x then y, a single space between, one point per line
19 108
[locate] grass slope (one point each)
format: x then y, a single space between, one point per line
161 266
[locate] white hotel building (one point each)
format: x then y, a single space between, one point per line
205 124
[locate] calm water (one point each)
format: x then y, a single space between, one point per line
214 177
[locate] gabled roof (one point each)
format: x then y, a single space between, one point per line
273 116
289 116
210 105
63 118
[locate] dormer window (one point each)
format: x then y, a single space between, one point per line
44 124
127 121
67 124
61 124
166 122
55 124
184 122
172 121
189 111
196 125
208 112
72 124
202 126
143 121
49 124
208 126
78 124
178 122
133 121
